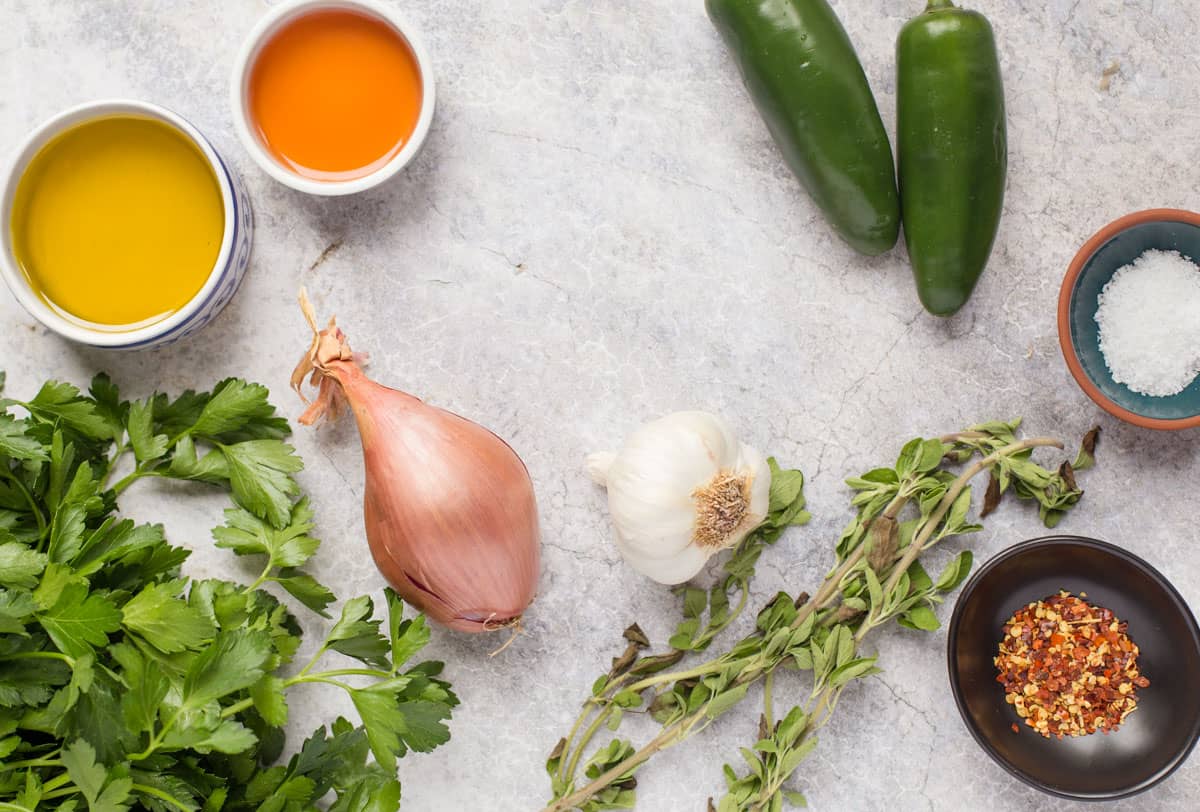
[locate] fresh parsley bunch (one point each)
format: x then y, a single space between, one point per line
126 685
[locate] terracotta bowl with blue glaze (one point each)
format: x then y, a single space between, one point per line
1113 247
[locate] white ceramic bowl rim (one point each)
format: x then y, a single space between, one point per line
266 27
15 278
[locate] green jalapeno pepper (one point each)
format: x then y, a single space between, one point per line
952 147
809 87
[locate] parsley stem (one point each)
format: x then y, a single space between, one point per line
324 676
162 796
34 762
341 672
312 662
33 507
39 655
157 739
61 793
261 579
55 783
318 678
134 476
112 464
14 807
236 707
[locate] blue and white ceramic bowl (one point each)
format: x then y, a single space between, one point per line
223 280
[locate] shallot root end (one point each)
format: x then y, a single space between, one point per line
517 627
327 346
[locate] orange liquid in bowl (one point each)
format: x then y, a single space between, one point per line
335 94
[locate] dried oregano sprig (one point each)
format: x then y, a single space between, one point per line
901 512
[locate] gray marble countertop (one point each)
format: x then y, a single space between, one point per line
599 231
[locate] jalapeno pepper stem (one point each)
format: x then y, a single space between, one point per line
934 5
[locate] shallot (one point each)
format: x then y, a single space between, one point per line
449 507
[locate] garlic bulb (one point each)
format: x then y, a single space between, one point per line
680 490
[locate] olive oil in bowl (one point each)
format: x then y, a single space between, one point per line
117 222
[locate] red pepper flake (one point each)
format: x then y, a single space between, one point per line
1068 668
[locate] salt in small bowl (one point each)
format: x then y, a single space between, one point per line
1113 247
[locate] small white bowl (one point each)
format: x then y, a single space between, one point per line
266 28
223 280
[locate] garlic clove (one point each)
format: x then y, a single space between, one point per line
598 465
714 434
648 514
752 462
680 452
651 527
676 569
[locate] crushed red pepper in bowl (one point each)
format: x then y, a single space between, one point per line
1069 668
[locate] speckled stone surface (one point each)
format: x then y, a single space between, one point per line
599 231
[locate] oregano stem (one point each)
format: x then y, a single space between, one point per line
658 679
588 733
917 545
660 742
563 756
832 585
570 756
769 699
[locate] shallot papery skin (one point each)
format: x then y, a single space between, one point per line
449 508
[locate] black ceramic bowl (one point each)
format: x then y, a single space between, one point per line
1155 739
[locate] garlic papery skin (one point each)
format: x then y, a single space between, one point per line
681 489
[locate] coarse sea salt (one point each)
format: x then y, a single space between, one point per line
1149 318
